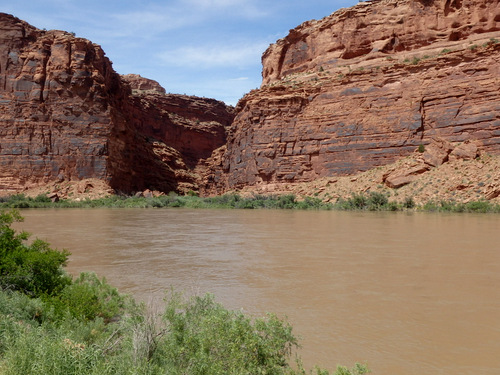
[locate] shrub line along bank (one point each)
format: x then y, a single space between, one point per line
52 324
373 201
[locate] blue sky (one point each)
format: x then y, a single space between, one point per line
209 48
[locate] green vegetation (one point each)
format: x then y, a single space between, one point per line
491 42
480 206
288 201
372 201
33 269
55 325
376 201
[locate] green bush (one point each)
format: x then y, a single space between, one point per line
89 297
286 201
40 351
33 269
205 338
42 198
359 201
479 206
377 201
409 203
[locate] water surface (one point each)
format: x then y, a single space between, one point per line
405 293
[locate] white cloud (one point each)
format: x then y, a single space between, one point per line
204 57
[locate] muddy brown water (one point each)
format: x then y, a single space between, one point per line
406 293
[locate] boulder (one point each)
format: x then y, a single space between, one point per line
437 152
465 151
403 176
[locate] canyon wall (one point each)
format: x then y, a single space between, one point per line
358 89
66 115
364 87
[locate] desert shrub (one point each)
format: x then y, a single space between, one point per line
309 203
358 369
393 206
448 206
409 203
248 204
15 308
155 202
479 206
89 297
205 338
191 336
40 351
359 201
430 206
42 198
377 201
34 269
285 201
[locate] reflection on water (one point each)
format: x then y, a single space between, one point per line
405 293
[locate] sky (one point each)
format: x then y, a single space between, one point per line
207 48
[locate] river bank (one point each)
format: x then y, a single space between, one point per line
371 201
457 185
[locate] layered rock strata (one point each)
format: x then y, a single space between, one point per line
366 86
65 115
183 131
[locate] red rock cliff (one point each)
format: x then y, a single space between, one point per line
65 115
365 86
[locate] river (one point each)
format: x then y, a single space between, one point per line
405 293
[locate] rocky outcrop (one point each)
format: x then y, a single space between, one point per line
366 86
356 90
141 85
65 115
183 131
55 107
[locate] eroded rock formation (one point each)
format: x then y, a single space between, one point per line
358 89
366 86
65 115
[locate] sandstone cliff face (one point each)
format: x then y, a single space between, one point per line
54 105
366 86
65 115
182 130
